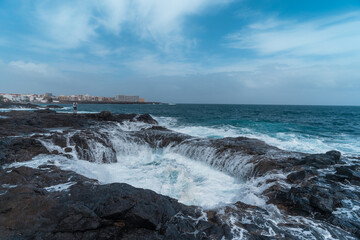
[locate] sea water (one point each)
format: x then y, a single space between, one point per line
311 129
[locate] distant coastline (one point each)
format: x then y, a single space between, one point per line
102 102
36 105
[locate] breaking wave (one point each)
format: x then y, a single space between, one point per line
287 141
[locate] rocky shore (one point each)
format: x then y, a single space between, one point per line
7 105
47 202
17 105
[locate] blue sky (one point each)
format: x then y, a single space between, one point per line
188 51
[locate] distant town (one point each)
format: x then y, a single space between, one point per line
50 98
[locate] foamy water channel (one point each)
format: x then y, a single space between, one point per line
191 182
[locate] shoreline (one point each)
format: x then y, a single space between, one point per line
298 184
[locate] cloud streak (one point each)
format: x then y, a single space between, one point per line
42 69
333 35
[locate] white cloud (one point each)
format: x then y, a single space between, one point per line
326 36
40 68
71 23
113 14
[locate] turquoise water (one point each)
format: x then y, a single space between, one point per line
299 128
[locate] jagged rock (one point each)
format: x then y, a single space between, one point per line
309 199
350 173
19 149
321 160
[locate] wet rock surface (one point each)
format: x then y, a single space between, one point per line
310 187
321 184
18 149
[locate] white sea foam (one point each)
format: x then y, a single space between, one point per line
133 126
16 109
167 171
62 109
59 187
8 186
190 182
287 141
165 121
79 112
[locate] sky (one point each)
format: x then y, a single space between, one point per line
184 51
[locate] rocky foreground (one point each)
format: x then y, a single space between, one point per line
308 191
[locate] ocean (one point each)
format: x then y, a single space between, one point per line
189 174
310 129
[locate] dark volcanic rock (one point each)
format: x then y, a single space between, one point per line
19 149
146 118
351 174
321 160
106 116
47 110
57 139
301 175
90 211
54 106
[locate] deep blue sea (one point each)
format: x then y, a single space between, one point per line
311 129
